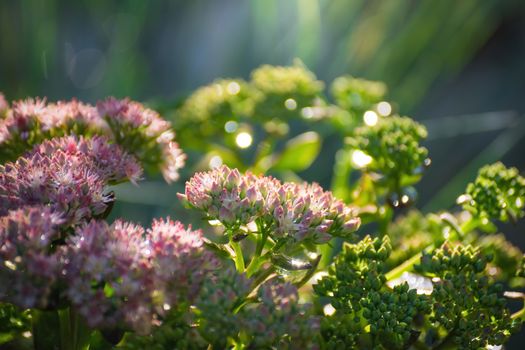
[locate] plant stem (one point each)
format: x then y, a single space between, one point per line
405 266
45 330
239 258
256 259
74 334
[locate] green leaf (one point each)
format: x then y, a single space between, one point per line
299 153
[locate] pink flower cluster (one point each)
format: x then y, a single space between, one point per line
141 131
279 319
123 274
28 269
273 318
144 131
69 174
118 276
301 211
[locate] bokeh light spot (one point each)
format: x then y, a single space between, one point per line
360 159
215 162
290 104
231 126
384 108
370 118
244 140
233 88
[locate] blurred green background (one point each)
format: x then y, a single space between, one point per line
456 66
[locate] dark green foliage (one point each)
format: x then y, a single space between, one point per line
13 322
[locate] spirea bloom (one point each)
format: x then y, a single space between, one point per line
32 120
144 133
121 276
140 131
67 174
28 267
300 211
279 320
112 163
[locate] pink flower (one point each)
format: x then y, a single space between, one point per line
279 318
68 174
25 116
144 133
113 164
131 276
28 267
73 116
138 130
300 211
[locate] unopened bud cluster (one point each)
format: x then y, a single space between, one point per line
357 94
498 193
466 304
393 145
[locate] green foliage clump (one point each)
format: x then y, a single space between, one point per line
498 193
175 332
13 322
357 94
465 303
279 83
207 109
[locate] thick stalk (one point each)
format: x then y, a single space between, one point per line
254 264
59 329
405 266
74 333
239 258
46 329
